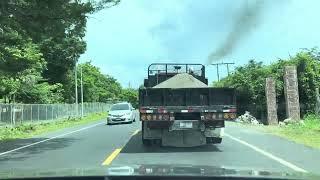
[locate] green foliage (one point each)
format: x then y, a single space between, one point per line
130 95
249 80
97 87
29 130
42 93
40 41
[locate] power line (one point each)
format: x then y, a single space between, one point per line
225 64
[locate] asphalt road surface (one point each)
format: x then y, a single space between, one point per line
97 144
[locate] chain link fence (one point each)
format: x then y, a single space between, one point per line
13 114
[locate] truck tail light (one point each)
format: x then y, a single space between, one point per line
226 116
154 117
208 116
214 116
166 117
162 110
233 110
172 117
143 117
232 115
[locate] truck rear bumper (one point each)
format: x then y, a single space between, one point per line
184 137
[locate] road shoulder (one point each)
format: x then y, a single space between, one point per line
301 155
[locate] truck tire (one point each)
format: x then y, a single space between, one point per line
146 142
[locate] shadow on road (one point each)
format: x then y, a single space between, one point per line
20 154
135 146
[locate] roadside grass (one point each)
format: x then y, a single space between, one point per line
307 133
28 130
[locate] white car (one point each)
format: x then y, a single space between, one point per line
121 113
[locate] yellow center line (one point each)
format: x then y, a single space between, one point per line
115 153
135 132
110 158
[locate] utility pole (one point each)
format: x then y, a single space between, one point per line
81 81
76 88
218 72
225 64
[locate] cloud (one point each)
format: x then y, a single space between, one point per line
125 39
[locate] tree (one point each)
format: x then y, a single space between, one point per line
97 87
54 29
249 81
21 61
130 95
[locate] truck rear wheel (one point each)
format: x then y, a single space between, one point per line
146 142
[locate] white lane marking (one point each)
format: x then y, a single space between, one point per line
269 155
135 132
61 135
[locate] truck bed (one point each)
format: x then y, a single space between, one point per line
182 97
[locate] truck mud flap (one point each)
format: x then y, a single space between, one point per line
183 138
214 140
216 124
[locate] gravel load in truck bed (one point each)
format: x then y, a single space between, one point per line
183 80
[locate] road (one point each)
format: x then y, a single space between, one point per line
96 144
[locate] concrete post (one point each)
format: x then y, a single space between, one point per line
291 92
271 101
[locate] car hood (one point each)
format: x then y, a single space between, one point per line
119 112
155 170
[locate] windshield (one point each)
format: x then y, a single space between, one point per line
197 87
120 107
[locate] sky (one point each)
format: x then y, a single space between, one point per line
123 40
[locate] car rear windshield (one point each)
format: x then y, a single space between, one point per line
120 107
